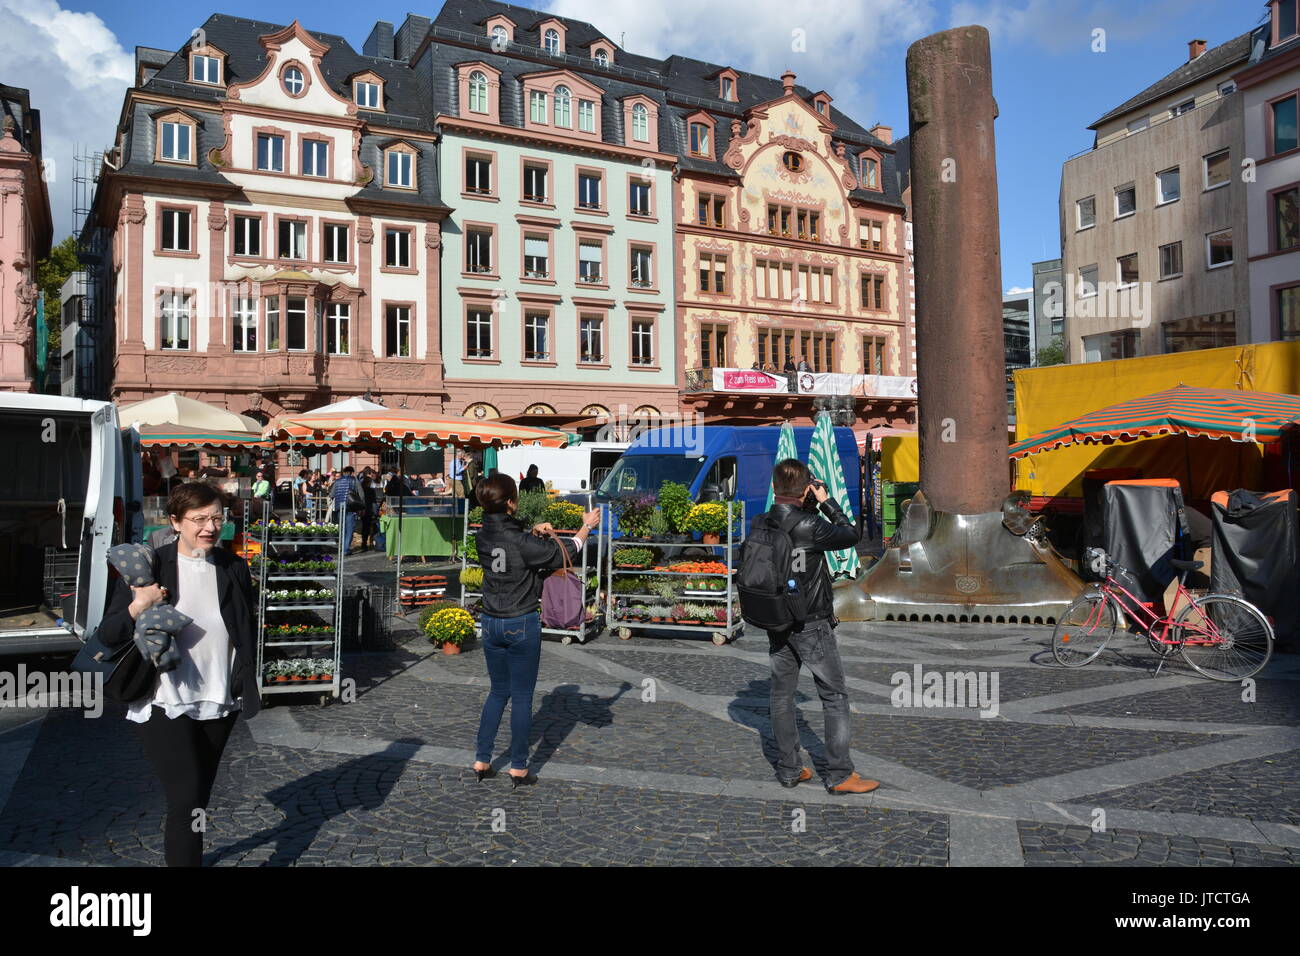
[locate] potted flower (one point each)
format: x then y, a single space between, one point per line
675 502
450 627
710 519
475 517
720 615
563 515
633 558
660 613
679 614
634 516
471 579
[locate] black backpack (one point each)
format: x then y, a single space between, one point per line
766 601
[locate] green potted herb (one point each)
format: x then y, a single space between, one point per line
675 503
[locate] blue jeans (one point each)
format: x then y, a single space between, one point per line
349 526
815 646
512 647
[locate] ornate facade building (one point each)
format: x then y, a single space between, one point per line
276 226
25 233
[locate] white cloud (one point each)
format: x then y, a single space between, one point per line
1064 26
1018 290
842 39
77 73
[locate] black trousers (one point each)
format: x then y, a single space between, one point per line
185 754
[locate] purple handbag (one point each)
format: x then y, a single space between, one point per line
562 606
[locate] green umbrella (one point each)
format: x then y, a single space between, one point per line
824 463
785 448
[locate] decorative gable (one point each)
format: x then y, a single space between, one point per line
292 78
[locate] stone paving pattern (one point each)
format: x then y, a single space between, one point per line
1187 773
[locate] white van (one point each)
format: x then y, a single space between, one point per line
578 469
69 491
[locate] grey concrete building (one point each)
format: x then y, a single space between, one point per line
1049 313
1153 219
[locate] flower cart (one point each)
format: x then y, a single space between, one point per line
655 586
566 518
299 576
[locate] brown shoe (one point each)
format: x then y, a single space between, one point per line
804 776
855 784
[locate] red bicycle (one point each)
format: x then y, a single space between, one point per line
1221 636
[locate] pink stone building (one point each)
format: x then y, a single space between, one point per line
25 232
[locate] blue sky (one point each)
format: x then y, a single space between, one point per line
1048 81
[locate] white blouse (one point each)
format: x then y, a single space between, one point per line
200 684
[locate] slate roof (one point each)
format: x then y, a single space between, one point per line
679 85
1260 49
1222 57
404 106
15 103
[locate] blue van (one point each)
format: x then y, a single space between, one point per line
719 462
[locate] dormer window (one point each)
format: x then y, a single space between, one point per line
478 92
728 88
821 107
700 145
640 123
176 139
870 172
500 36
602 56
205 68
551 42
822 103
1286 20
295 84
368 91
563 101
399 167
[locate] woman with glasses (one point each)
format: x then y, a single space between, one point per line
186 719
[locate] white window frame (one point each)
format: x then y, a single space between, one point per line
1119 270
271 140
640 123
243 330
544 261
178 234
177 127
1160 254
1078 214
1096 277
401 331
535 323
330 242
401 248
478 92
319 150
405 178
586 116
178 307
542 172
551 41
1125 188
291 78
1160 197
297 239
647 337
1219 265
306 329
251 233
649 206
562 107
213 62
478 319
634 258
1205 169
583 275
475 250
365 93
537 107
338 319
591 329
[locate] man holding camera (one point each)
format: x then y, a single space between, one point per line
811 639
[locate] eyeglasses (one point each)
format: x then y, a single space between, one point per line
215 520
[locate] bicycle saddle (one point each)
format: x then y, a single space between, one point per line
1179 565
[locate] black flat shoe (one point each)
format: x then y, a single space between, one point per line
527 780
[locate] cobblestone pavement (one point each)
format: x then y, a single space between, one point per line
658 751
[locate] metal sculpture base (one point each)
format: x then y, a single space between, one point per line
992 567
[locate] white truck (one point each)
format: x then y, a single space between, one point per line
578 469
69 490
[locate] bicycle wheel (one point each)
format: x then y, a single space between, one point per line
1224 637
1083 630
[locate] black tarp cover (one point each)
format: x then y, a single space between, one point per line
1256 542
1141 526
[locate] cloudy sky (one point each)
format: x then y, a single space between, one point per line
76 58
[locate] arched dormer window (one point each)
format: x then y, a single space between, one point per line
869 171
478 92
641 123
563 104
551 42
602 58
500 34
728 85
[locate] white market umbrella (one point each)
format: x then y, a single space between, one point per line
175 409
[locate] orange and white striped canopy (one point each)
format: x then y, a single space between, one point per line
393 425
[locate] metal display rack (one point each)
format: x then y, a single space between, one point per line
331 610
721 631
588 630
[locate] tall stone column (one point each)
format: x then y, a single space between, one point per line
960 374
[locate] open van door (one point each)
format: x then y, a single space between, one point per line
56 519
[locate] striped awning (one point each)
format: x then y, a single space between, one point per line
1205 412
394 425
179 436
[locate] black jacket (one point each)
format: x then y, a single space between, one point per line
504 543
238 611
814 537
